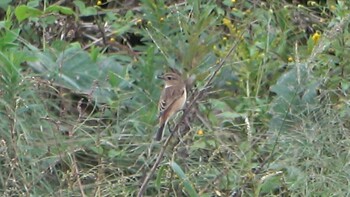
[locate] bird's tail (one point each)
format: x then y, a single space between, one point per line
159 134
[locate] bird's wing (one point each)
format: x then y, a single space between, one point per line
169 96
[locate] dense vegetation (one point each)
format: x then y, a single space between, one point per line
267 114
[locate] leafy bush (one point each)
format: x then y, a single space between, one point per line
267 112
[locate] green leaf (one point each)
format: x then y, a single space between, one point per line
8 40
4 4
219 105
79 4
9 70
113 80
187 184
85 11
74 69
296 92
159 176
112 153
94 52
229 115
61 9
34 3
121 28
23 12
269 184
97 149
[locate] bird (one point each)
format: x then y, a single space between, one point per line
172 100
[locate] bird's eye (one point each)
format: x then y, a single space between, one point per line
169 78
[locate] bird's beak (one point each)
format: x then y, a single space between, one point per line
160 76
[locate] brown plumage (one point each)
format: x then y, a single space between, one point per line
172 99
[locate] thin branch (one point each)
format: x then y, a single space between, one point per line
76 173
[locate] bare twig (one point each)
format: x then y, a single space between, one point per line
197 95
76 173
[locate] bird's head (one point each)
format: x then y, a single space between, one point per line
171 79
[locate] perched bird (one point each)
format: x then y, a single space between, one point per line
172 99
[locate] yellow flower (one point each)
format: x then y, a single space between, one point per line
312 3
200 132
233 1
138 21
112 39
99 3
226 22
224 38
290 59
332 8
218 193
161 19
316 36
